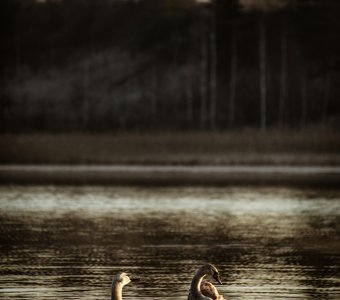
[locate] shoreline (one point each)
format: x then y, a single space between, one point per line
205 175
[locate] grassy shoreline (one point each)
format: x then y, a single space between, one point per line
246 147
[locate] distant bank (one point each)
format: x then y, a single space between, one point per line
316 176
319 147
308 157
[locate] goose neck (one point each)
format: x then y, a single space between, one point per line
196 283
116 291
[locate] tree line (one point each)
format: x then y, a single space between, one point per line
103 65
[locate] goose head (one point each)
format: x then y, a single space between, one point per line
211 270
122 278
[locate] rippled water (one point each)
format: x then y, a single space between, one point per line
269 243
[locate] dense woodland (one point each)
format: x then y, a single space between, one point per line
105 65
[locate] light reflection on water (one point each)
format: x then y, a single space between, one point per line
269 243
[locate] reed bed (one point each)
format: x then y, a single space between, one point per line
245 147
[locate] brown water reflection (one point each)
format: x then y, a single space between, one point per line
66 243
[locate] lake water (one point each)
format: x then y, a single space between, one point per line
268 243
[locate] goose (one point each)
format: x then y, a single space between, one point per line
204 290
118 282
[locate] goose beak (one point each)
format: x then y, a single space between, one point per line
217 277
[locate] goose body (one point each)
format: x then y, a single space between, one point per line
210 291
203 290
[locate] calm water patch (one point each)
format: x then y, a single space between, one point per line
269 243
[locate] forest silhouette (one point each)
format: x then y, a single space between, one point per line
102 65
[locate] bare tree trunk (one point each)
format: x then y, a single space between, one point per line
283 76
86 100
123 113
189 98
326 95
203 73
233 78
18 57
263 75
213 67
154 93
22 109
303 98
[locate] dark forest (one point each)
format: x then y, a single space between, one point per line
101 65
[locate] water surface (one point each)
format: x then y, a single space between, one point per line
269 243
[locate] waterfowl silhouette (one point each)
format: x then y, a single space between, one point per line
118 282
204 290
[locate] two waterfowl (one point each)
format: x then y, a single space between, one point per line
199 288
204 290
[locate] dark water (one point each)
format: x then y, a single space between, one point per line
269 243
